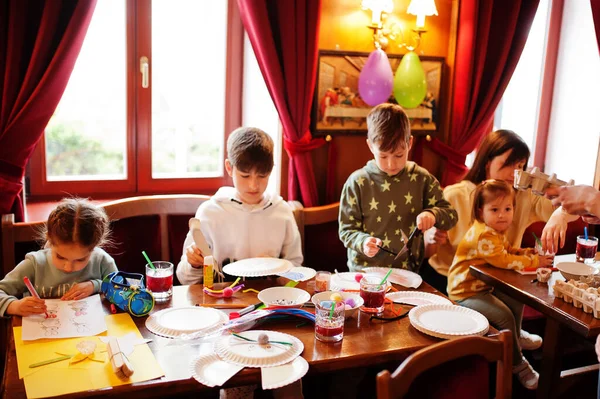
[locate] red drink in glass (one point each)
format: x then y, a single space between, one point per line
159 280
586 249
373 293
329 325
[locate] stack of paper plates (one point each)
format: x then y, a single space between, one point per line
257 267
175 322
405 278
417 298
448 321
347 281
250 354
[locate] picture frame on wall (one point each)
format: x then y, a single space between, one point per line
338 108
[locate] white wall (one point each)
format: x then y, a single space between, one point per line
575 119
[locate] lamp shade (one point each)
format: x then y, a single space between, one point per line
410 85
422 7
376 79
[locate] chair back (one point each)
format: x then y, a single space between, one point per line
157 224
404 382
321 244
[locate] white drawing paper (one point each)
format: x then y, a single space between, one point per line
67 319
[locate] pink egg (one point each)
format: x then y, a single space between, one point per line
358 277
227 292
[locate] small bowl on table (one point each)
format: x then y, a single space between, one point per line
283 297
348 311
575 270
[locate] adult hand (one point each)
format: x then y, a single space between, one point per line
425 220
554 233
370 246
27 306
79 291
576 200
194 255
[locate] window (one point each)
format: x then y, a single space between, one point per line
156 88
519 108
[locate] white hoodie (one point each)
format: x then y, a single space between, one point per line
236 231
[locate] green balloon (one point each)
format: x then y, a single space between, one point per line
410 85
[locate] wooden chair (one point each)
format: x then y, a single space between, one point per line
406 380
156 223
318 227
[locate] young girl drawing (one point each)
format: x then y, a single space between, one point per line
486 243
70 267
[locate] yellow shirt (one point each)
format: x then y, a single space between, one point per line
530 208
482 245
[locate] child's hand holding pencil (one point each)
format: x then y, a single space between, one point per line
27 306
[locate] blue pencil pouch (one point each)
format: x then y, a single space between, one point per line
128 292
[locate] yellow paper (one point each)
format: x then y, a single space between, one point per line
61 378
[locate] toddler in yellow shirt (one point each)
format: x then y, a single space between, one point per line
485 243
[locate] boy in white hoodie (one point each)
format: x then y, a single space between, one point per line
243 221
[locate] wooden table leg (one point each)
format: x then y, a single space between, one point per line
551 360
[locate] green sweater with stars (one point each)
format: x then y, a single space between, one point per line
376 204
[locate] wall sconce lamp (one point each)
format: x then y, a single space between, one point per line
422 9
383 34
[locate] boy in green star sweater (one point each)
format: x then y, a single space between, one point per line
388 195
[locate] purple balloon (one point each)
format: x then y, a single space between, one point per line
376 80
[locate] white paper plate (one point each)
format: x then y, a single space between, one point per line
417 298
211 371
280 376
347 281
285 297
250 354
257 267
174 322
402 277
448 321
299 273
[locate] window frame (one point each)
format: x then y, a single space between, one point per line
139 124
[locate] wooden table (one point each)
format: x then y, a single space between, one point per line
561 316
365 344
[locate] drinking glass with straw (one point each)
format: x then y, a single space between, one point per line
159 278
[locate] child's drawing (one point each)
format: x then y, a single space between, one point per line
66 319
80 326
79 307
50 326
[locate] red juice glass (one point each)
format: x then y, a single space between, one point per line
373 293
329 325
159 280
586 249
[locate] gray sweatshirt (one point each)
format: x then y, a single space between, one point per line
49 281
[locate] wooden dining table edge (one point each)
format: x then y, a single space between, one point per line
532 301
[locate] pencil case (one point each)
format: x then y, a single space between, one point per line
128 292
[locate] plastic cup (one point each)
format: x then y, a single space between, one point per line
160 280
322 281
373 293
585 252
329 326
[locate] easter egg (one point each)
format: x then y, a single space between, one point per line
228 292
336 296
326 304
358 277
350 302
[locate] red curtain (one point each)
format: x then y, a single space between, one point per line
39 43
491 37
596 14
284 36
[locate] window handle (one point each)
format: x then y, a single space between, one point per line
145 69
